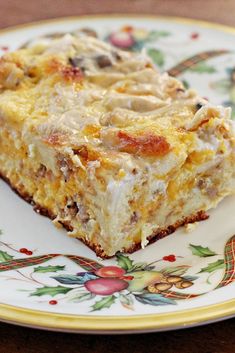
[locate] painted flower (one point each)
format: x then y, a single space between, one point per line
121 39
132 38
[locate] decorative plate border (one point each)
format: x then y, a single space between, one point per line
117 324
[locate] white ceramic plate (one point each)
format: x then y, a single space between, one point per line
44 274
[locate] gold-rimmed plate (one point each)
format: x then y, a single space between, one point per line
42 285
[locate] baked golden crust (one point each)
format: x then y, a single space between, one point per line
102 143
200 216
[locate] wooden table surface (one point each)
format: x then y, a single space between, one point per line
214 338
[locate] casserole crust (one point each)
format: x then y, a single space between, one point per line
99 141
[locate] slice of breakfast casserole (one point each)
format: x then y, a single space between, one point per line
99 141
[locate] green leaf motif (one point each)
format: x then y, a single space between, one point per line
202 68
200 251
157 56
190 278
153 35
186 84
124 262
148 268
214 266
141 266
1 232
4 256
154 299
52 291
126 301
74 279
104 303
176 270
78 296
45 269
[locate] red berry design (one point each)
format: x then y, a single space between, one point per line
110 271
26 251
194 35
23 250
105 286
170 258
4 48
53 302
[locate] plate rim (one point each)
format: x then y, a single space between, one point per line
177 19
118 324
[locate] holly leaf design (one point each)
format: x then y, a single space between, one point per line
201 251
141 266
124 262
74 279
126 301
186 84
153 35
154 299
202 68
214 266
176 270
52 291
157 56
4 256
103 303
87 276
1 232
78 296
45 269
148 268
190 278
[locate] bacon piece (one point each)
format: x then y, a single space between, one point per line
69 73
147 144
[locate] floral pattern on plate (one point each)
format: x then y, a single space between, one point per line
125 282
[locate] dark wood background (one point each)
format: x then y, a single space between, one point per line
214 338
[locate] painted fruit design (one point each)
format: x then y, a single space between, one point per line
105 286
142 279
126 284
110 271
